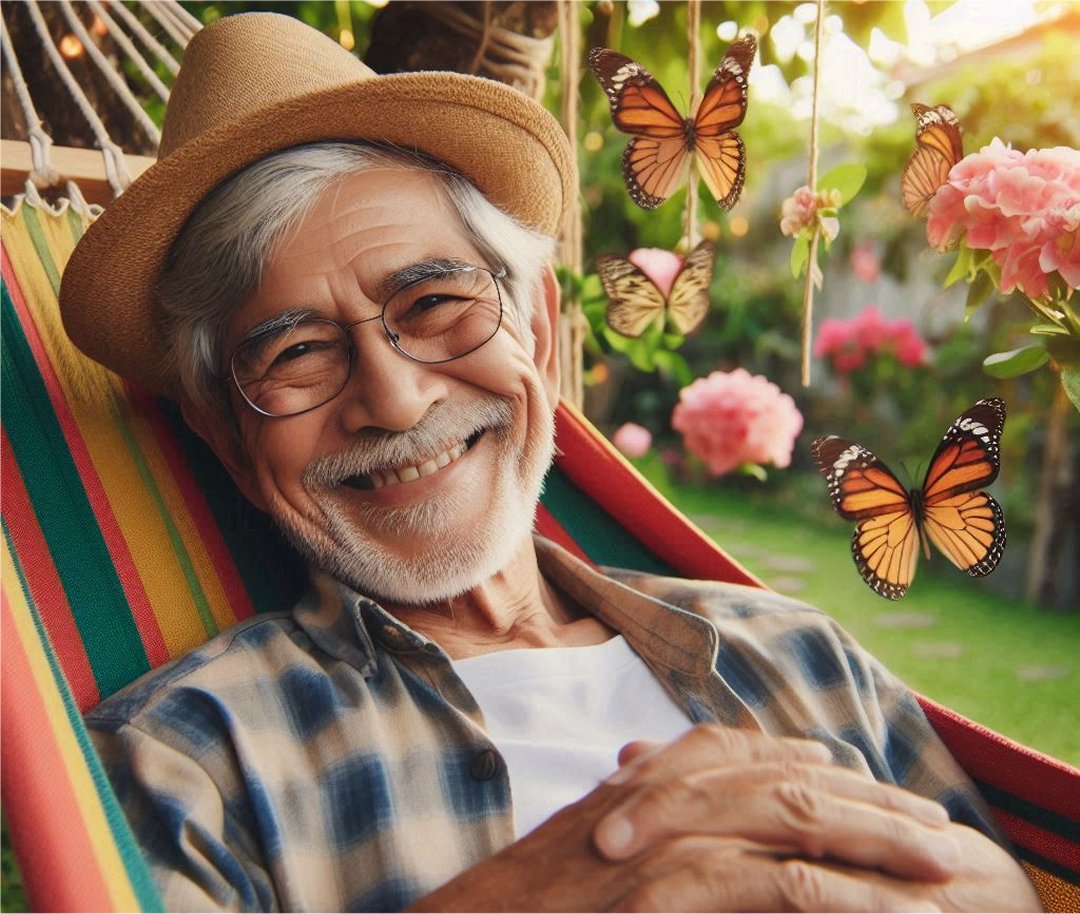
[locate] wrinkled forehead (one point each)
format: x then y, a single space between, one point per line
359 242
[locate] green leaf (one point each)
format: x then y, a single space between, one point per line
800 253
591 287
1049 330
1015 363
961 266
753 469
978 292
673 364
1070 380
848 179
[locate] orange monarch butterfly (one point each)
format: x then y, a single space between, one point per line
938 148
965 524
657 159
634 301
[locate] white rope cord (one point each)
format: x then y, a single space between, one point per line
185 18
182 21
41 171
115 167
139 30
157 10
113 78
128 47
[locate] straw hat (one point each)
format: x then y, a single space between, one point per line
256 83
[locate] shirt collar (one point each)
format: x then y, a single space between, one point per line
346 624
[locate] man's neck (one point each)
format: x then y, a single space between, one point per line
514 608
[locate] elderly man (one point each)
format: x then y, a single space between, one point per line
344 281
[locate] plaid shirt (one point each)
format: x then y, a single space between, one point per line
330 758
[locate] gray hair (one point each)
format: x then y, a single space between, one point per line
220 255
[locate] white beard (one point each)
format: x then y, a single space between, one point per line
453 559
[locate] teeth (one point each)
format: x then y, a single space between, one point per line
381 479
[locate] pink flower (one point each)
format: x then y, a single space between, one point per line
659 265
632 439
800 211
1023 207
871 329
731 418
865 263
832 336
849 345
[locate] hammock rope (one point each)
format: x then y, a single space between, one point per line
116 170
42 172
132 52
111 76
140 31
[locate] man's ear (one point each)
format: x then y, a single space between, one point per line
220 436
545 328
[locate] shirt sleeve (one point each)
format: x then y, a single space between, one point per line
900 745
200 857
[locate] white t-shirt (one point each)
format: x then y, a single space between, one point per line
559 716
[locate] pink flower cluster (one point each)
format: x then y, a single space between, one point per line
848 345
1024 207
731 418
801 210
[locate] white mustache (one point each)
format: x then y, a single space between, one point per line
440 428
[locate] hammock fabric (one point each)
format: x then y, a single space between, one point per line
125 544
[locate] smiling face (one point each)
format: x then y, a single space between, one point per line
418 481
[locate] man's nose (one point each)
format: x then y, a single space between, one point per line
387 389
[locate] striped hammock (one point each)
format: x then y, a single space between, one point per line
126 544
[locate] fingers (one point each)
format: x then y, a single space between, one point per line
709 875
780 795
706 746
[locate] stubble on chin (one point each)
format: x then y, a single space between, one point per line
361 543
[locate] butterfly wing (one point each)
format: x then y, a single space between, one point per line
885 545
656 160
721 155
938 128
924 173
653 169
688 302
634 302
938 148
967 525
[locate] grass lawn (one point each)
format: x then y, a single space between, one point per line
1001 662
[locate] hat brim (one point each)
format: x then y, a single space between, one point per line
508 146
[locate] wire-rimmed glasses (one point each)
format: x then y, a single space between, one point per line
290 367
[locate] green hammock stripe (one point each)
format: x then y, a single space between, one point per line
68 525
594 530
273 574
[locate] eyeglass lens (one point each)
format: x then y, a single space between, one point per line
298 367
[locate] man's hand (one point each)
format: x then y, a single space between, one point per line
728 820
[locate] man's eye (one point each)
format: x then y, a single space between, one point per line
428 302
299 350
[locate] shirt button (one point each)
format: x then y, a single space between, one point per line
485 765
